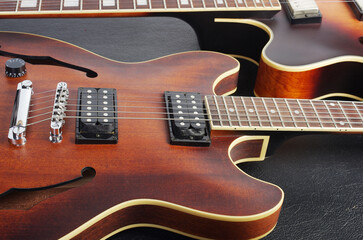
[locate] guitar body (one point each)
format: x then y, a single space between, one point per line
297 61
53 190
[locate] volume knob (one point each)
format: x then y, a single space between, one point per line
15 67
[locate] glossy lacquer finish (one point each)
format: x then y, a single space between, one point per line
311 60
142 180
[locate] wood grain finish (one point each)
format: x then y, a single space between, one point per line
180 184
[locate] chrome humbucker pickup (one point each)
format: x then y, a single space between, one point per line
58 114
19 117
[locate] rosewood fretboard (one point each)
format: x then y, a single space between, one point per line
79 8
250 113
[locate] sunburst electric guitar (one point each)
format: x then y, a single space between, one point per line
90 151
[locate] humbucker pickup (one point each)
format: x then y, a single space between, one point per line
97 116
186 117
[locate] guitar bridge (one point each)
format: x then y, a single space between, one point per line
186 117
17 130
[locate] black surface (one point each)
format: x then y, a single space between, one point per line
322 176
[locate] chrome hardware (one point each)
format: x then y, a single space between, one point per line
59 107
16 135
303 8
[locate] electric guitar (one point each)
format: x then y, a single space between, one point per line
91 152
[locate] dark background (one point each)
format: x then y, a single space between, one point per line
322 175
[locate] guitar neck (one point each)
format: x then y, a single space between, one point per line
250 113
86 8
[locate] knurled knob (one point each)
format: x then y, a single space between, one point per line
15 67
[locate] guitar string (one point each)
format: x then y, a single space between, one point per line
56 3
277 114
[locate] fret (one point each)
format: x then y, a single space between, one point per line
40 6
81 5
261 112
209 3
267 3
171 3
223 113
241 3
312 119
326 120
197 3
177 1
157 4
218 111
353 116
275 3
17 5
212 111
54 5
89 5
284 113
297 113
236 110
241 112
251 112
336 112
227 110
360 113
126 4
61 5
273 112
258 3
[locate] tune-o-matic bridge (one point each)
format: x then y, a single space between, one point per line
19 117
59 107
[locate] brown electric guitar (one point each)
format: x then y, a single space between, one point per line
96 146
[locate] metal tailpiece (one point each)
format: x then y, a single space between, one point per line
19 117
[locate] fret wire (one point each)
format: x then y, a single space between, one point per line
361 117
219 113
191 4
81 5
215 4
316 113
247 115
40 5
203 1
254 3
225 105
263 4
177 1
134 3
303 112
99 5
237 114
278 112
149 4
292 116
268 113
343 111
245 3
331 115
254 106
270 3
226 3
164 3
17 5
61 5
235 3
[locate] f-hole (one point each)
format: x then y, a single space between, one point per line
26 198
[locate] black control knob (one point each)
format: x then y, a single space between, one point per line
15 67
